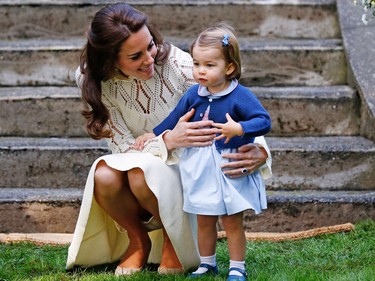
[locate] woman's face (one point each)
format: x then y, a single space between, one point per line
137 54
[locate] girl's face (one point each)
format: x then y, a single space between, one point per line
137 54
210 68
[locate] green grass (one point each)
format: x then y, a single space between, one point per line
341 256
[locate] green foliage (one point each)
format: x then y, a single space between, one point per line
368 9
335 257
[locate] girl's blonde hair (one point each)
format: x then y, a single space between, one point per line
222 36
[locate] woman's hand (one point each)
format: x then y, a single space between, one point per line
248 159
188 134
141 140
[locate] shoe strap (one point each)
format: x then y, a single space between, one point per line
205 265
242 271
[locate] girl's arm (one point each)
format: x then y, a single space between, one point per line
252 156
229 130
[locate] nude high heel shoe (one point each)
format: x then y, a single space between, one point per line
170 271
126 271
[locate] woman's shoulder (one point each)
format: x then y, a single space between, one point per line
178 69
176 54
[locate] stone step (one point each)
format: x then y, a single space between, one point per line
256 18
41 112
43 210
295 111
326 163
295 211
299 163
311 111
280 62
47 162
265 62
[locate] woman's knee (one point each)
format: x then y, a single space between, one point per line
107 180
136 178
138 185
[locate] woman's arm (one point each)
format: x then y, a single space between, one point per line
122 139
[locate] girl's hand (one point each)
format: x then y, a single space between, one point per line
141 140
188 134
249 157
229 129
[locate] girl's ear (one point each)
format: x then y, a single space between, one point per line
230 68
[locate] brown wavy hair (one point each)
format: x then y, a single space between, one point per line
110 28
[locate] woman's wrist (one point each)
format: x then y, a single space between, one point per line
262 149
168 141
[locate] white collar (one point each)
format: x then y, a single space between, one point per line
203 92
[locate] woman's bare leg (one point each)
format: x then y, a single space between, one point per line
113 194
148 201
169 257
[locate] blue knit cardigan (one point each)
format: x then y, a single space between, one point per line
241 104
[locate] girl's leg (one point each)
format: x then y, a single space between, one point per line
113 194
207 237
207 234
236 238
148 201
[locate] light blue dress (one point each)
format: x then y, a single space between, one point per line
207 191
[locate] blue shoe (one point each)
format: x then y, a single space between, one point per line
213 270
243 276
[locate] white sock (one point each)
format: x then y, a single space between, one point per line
210 260
237 264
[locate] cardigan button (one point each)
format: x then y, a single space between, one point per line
210 99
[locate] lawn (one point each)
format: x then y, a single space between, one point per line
340 256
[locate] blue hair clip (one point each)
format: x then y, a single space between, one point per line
225 40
